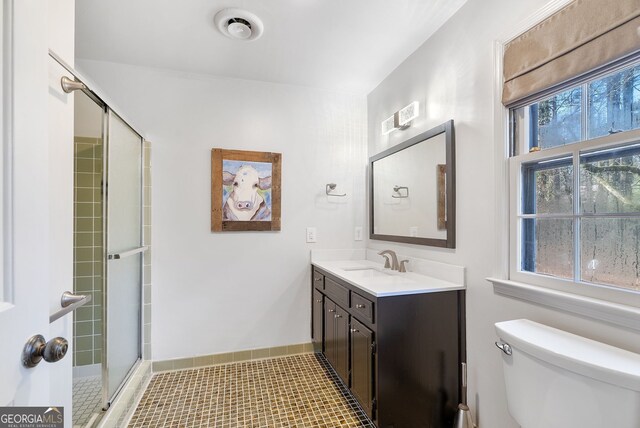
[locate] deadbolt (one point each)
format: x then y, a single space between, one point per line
37 349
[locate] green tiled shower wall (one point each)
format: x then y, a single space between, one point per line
88 256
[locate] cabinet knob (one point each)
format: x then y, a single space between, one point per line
317 279
337 316
360 306
318 300
354 330
332 310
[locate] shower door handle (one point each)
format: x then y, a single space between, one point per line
122 255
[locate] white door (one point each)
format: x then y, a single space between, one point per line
36 198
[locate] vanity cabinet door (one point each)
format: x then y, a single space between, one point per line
342 344
330 331
318 280
336 338
362 365
317 318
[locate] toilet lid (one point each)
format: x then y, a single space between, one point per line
571 352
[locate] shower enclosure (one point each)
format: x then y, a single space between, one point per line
108 255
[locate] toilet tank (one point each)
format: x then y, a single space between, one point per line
556 379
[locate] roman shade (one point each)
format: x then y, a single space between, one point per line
581 37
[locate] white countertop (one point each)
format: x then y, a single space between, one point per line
374 279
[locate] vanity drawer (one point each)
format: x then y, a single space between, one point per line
337 292
318 280
362 307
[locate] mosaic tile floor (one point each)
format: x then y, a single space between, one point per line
289 392
87 394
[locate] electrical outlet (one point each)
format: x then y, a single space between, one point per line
311 234
357 235
413 231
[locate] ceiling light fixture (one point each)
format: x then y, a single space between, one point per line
401 119
239 28
238 24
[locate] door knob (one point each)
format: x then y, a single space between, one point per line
37 349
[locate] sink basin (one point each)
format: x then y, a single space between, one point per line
352 268
366 272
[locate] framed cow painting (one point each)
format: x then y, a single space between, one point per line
245 190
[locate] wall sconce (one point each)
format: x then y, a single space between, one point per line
401 119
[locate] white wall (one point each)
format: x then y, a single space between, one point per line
452 75
221 292
61 29
87 117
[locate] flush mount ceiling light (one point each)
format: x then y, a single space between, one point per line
238 24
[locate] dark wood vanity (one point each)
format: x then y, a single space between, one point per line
399 355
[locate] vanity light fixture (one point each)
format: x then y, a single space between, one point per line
388 125
401 119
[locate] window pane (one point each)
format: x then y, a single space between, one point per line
610 251
610 180
614 103
547 246
556 121
548 187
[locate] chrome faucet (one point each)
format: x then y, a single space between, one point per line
394 259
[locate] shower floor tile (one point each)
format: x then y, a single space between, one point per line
295 391
87 394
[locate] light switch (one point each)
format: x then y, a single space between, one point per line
311 234
357 235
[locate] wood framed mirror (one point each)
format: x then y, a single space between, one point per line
413 190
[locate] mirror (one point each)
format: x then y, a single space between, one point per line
413 190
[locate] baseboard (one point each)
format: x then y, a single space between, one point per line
231 357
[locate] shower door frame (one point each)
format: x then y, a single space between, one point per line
106 399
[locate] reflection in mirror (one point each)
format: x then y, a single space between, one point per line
397 211
413 190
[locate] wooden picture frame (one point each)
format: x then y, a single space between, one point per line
245 190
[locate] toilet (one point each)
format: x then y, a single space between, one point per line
556 379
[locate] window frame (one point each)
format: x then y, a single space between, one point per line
626 315
516 179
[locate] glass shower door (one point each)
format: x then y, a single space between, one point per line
124 253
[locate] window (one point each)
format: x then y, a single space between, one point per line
575 157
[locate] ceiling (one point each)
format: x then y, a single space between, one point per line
345 45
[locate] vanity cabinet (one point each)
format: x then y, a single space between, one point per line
400 355
362 353
317 327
